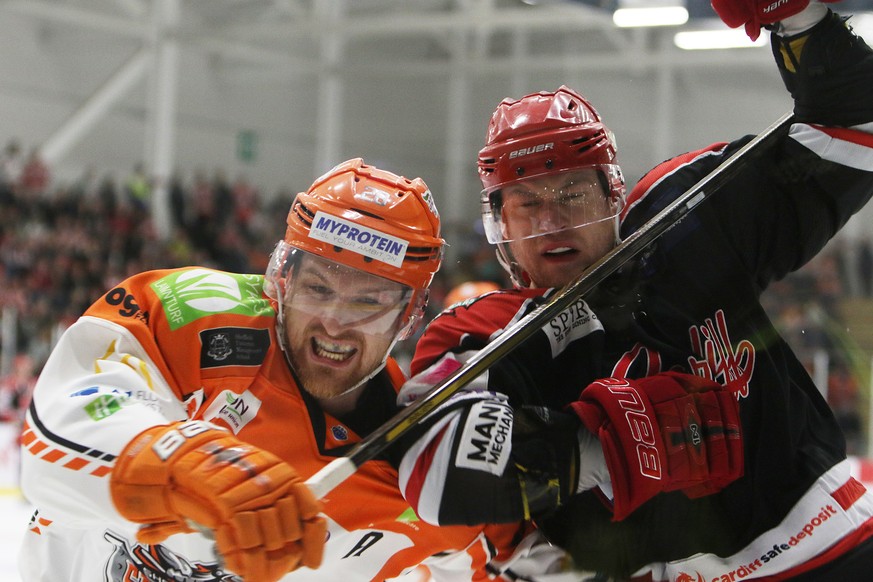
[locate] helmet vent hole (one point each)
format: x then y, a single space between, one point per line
366 213
519 171
572 105
549 164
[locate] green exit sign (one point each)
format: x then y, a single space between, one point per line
247 145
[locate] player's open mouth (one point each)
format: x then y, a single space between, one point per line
559 252
332 351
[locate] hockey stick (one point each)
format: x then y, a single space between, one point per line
340 469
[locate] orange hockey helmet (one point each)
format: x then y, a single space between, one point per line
371 220
469 290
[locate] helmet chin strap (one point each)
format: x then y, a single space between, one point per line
616 226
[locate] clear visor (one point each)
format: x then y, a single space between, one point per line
549 204
343 297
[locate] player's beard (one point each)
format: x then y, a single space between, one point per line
311 351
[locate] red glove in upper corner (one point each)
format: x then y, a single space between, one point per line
755 13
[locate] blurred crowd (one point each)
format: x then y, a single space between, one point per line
63 245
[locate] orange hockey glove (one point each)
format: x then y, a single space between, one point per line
192 474
665 432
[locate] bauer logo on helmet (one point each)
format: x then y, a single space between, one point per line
532 150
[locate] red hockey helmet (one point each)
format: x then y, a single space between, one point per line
544 133
539 134
371 220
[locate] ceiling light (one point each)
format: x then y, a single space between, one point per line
655 16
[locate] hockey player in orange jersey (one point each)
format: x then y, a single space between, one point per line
173 426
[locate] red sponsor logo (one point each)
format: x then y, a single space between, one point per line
722 361
640 425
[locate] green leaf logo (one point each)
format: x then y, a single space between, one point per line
194 293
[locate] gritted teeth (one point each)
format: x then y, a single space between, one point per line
331 350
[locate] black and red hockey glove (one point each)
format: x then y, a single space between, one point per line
756 13
661 433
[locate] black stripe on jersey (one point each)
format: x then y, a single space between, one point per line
49 435
376 405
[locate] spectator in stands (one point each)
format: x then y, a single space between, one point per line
138 188
202 227
16 389
844 398
246 203
178 201
35 176
107 192
87 186
10 164
223 196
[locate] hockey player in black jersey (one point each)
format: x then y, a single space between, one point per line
652 473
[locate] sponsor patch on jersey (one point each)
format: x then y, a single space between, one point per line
126 304
236 410
106 402
357 238
724 359
577 321
191 294
90 390
233 346
339 433
485 440
104 406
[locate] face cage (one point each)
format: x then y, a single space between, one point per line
492 219
285 256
